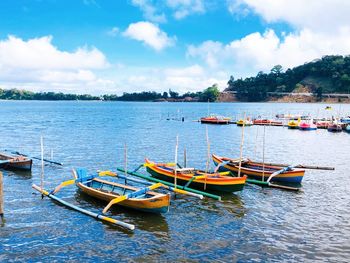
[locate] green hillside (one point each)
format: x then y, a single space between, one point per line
330 74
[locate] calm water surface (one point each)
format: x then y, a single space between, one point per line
255 225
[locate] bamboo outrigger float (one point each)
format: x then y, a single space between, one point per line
84 211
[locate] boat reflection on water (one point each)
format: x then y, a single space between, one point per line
233 204
20 174
142 220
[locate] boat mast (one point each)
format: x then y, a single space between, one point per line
241 148
208 156
263 177
175 170
42 165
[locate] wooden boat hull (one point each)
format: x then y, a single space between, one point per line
215 121
254 171
246 123
211 183
293 126
267 122
104 190
10 162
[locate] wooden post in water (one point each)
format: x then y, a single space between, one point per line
1 198
185 158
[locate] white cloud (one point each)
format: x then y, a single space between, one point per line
149 11
317 15
192 78
183 8
37 64
150 34
39 53
257 52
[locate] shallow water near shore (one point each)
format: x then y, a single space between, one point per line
257 224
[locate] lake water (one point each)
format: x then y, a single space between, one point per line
253 225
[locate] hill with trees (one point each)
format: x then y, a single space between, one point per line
330 74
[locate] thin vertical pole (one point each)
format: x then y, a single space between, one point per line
241 148
208 108
42 164
263 177
208 156
1 198
256 140
175 171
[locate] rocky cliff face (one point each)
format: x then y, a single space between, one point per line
227 97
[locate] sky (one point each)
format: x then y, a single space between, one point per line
115 46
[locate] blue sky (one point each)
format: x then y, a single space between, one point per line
97 47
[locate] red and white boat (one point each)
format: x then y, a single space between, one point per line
214 119
307 125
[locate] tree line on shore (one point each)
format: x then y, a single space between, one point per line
209 94
330 74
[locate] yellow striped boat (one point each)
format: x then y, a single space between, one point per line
198 179
258 171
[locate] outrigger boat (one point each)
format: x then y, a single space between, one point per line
220 182
260 171
142 199
147 201
15 162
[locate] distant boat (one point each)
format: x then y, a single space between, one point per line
15 162
267 122
345 120
322 124
246 122
215 119
294 124
335 127
347 129
328 108
307 125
